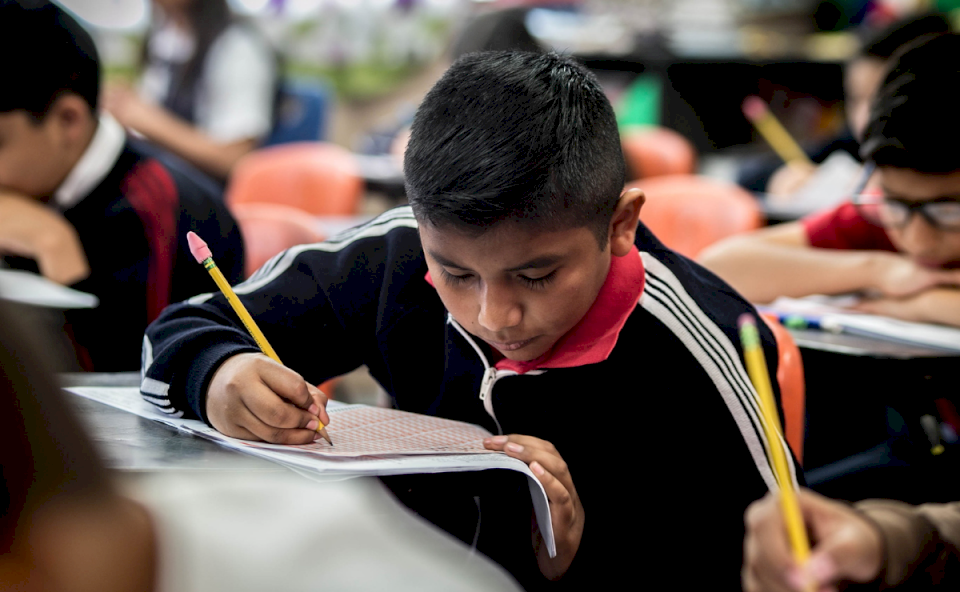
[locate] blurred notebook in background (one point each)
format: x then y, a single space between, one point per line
835 179
36 290
829 314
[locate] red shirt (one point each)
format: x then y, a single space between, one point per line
843 228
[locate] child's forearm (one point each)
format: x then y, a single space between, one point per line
763 271
191 144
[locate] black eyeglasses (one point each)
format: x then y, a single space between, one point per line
942 213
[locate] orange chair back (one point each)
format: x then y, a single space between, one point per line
654 151
320 178
689 213
268 229
792 387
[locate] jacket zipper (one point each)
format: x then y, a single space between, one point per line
490 373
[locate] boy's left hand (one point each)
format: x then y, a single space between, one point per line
565 507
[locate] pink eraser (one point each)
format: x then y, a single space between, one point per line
198 248
746 319
754 108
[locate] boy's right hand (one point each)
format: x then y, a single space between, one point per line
31 229
899 276
254 398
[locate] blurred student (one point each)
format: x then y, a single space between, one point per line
862 76
517 292
208 85
899 247
885 543
85 206
65 526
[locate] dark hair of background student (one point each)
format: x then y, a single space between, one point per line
913 120
884 43
48 54
208 19
526 137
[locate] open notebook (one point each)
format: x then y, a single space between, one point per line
832 316
368 441
30 288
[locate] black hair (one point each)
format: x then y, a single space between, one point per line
48 54
44 452
208 19
520 136
884 43
914 119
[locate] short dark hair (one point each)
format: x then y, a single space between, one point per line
46 54
884 43
914 119
522 136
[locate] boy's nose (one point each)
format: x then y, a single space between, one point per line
498 310
919 234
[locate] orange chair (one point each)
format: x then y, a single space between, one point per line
792 387
320 178
689 212
655 151
268 229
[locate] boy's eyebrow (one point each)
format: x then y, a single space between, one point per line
535 263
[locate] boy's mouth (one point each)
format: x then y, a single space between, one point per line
510 345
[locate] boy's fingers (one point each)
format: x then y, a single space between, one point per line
766 550
320 400
287 384
556 491
275 412
275 435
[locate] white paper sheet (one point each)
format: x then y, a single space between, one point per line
833 317
30 288
320 459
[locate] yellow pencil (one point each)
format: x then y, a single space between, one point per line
202 254
773 132
757 368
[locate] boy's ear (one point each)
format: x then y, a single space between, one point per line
623 225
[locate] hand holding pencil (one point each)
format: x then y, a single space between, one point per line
846 546
255 398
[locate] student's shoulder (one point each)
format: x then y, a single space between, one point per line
680 289
176 174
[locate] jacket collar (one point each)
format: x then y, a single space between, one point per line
95 164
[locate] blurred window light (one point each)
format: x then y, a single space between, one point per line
302 8
110 14
250 6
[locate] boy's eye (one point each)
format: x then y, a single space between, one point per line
455 279
538 282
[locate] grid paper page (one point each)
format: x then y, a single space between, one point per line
358 430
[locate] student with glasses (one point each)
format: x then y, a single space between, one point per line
897 244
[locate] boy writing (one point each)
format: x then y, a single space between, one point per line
516 292
898 246
85 206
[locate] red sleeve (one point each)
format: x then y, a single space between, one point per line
153 194
843 228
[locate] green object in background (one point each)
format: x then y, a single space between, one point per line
640 104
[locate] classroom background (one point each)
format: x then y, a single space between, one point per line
678 73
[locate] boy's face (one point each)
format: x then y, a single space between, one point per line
922 242
520 289
36 157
